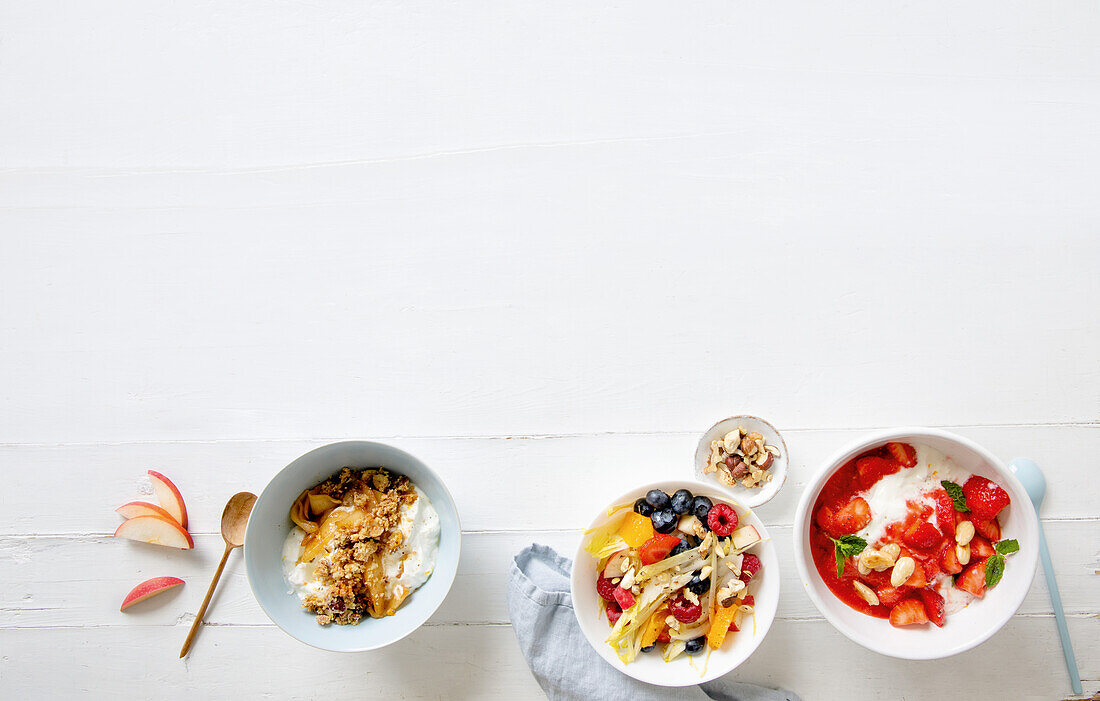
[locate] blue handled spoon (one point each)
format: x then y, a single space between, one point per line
1036 485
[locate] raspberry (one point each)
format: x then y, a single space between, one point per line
613 612
684 610
722 519
750 564
605 589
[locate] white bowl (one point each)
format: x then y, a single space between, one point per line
270 523
756 496
649 667
964 629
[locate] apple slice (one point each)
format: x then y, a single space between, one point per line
142 508
150 587
169 497
156 530
745 536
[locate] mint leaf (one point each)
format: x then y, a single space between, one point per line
994 569
1006 547
844 547
956 493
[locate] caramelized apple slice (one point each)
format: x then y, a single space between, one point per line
343 519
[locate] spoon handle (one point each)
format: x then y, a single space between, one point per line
1059 614
205 602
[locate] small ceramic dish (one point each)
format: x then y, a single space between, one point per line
750 497
270 523
685 670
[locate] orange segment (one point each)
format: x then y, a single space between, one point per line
636 529
719 626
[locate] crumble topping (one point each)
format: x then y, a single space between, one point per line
363 511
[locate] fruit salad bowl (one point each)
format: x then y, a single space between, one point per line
908 634
733 649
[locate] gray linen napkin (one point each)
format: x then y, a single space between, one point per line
565 665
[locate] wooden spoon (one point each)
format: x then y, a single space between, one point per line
234 520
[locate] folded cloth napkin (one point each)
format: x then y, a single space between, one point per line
565 665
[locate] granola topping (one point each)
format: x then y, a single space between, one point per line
363 541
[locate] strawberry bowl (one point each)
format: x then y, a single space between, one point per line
916 543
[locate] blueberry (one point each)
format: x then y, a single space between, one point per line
664 521
658 499
695 645
647 648
683 545
642 507
700 506
697 585
681 501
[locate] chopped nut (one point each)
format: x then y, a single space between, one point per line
865 592
962 553
964 532
902 571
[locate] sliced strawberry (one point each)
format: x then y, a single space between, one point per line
873 468
922 535
980 547
853 516
945 512
908 613
934 606
918 579
985 498
623 598
657 548
875 579
890 596
613 612
988 528
950 561
903 453
973 579
824 519
748 600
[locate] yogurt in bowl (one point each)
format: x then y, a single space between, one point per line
417 538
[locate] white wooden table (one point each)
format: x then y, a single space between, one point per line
542 246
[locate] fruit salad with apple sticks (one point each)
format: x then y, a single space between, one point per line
674 572
901 532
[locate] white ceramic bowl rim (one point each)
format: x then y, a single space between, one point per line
1023 563
269 525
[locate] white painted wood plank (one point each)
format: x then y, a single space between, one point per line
1023 662
375 326
40 585
499 484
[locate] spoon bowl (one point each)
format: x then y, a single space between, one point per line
235 518
1031 477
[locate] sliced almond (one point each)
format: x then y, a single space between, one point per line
903 570
865 592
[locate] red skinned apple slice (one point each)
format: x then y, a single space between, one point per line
150 587
142 508
169 497
156 530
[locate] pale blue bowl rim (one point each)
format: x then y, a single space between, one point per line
265 576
